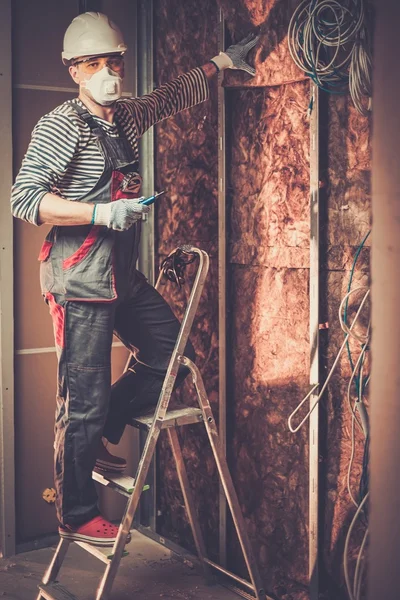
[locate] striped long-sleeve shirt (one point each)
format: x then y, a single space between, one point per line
63 158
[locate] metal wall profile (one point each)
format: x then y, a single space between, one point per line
222 287
145 85
7 476
314 342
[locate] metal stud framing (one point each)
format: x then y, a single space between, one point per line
314 342
7 476
222 287
145 84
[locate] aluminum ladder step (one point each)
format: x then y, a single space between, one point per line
120 483
55 591
103 554
173 418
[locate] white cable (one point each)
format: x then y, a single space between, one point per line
360 580
354 418
349 333
346 547
354 501
328 39
358 572
352 409
361 338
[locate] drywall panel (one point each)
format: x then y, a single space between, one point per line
35 392
186 167
123 13
38 33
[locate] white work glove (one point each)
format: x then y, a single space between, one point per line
121 214
234 56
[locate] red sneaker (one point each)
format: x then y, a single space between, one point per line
98 532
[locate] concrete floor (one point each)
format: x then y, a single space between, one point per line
149 572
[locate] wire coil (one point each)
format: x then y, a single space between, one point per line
329 40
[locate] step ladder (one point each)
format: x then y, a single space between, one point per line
173 268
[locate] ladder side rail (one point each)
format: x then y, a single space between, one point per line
154 431
195 295
157 287
189 501
111 570
182 338
56 562
226 479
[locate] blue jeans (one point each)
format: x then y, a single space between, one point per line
87 405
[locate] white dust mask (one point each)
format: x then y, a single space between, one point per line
105 86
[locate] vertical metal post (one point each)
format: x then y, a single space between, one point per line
145 85
222 288
7 461
314 341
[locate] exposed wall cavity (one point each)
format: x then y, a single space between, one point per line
347 160
268 362
186 167
268 292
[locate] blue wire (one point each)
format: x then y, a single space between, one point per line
357 254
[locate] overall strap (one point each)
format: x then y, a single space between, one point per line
88 118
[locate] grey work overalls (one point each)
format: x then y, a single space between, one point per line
90 282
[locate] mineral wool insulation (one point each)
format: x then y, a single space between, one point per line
268 299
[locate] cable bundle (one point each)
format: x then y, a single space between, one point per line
328 39
359 415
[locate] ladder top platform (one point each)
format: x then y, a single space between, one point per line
173 418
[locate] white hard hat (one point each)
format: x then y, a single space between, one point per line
92 34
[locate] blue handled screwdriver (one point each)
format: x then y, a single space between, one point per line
151 199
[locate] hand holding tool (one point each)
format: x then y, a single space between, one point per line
151 199
119 215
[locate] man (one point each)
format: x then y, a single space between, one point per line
80 174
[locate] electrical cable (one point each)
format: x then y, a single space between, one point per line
358 572
360 580
349 469
360 384
336 361
363 427
357 377
343 324
330 42
356 256
346 548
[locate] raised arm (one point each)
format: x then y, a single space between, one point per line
189 89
